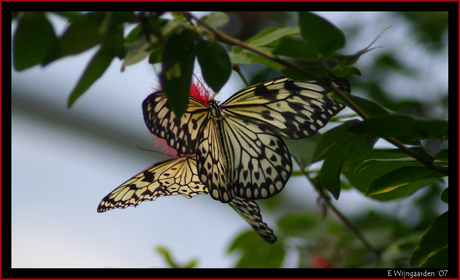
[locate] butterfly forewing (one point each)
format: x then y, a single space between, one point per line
168 177
288 108
250 211
183 135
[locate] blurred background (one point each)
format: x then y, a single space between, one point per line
64 161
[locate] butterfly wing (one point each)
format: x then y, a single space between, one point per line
213 163
250 211
288 108
260 161
183 135
169 177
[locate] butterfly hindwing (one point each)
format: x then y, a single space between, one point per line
168 177
250 211
260 161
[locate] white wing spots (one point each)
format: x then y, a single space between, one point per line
260 159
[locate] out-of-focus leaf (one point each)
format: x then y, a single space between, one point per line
332 165
136 50
433 129
445 196
400 127
96 67
270 37
176 76
215 20
371 108
80 36
433 240
323 36
171 262
33 38
400 178
296 225
345 71
256 253
155 55
440 259
239 58
215 64
291 47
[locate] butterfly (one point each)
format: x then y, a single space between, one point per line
238 143
172 177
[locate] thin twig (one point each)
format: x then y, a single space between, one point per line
339 215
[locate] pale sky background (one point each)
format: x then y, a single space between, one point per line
65 161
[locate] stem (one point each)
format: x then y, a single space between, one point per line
339 214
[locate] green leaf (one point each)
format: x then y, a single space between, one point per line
293 48
171 262
80 36
320 34
399 126
445 196
239 58
440 259
296 225
433 240
256 253
215 20
261 34
215 63
379 162
332 166
433 129
136 50
176 76
155 55
345 71
96 67
274 34
303 149
401 177
371 108
331 140
32 40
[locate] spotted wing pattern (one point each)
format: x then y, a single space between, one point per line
238 145
169 177
183 135
258 163
177 176
250 211
288 108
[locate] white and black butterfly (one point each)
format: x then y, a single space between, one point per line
238 143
